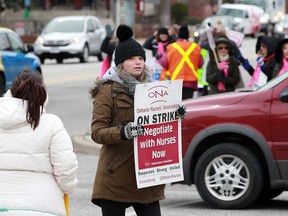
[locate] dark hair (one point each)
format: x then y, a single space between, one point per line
29 86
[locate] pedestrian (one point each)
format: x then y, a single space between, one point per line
38 165
265 50
203 85
160 36
281 58
218 31
108 46
222 70
112 126
158 43
183 60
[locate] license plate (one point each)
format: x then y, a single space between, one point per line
54 50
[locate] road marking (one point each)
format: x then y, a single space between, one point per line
69 79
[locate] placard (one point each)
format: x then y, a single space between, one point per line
158 153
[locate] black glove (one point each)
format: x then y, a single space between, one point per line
181 111
219 75
131 130
109 31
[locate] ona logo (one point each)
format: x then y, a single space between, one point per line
158 93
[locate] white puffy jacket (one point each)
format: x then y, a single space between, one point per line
36 167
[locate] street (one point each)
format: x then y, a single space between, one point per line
180 199
68 86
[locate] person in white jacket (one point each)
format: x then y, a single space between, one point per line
37 162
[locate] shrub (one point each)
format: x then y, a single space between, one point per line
178 12
189 20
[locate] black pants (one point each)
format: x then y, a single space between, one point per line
203 91
187 93
111 208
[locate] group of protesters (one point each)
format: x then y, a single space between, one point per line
48 164
217 70
211 70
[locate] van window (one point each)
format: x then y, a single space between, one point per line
231 12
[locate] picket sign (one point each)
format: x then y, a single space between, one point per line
235 36
212 45
154 67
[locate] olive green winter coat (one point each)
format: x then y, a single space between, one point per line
115 177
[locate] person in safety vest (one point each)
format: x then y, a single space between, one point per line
202 83
183 60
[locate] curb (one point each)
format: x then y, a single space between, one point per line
85 145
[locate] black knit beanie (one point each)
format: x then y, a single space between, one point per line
183 32
127 46
163 30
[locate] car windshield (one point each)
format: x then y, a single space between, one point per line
213 20
65 26
230 12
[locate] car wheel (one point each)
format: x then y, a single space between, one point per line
59 60
100 57
85 54
2 85
229 176
42 60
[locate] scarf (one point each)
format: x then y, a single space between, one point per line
161 52
285 67
223 66
256 75
130 82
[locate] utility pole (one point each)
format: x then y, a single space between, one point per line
165 13
125 12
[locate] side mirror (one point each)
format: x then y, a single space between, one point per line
30 48
284 95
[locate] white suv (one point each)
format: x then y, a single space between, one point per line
69 37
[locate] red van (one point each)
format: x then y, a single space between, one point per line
235 145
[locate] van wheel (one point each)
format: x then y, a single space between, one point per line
229 176
2 85
59 60
85 54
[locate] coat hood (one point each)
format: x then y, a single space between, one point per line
270 42
12 113
279 52
110 75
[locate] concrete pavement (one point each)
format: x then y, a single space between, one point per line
85 145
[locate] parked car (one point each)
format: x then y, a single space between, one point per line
15 56
70 37
235 145
281 28
210 22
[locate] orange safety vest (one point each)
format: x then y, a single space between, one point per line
183 59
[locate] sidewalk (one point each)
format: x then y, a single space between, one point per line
85 145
